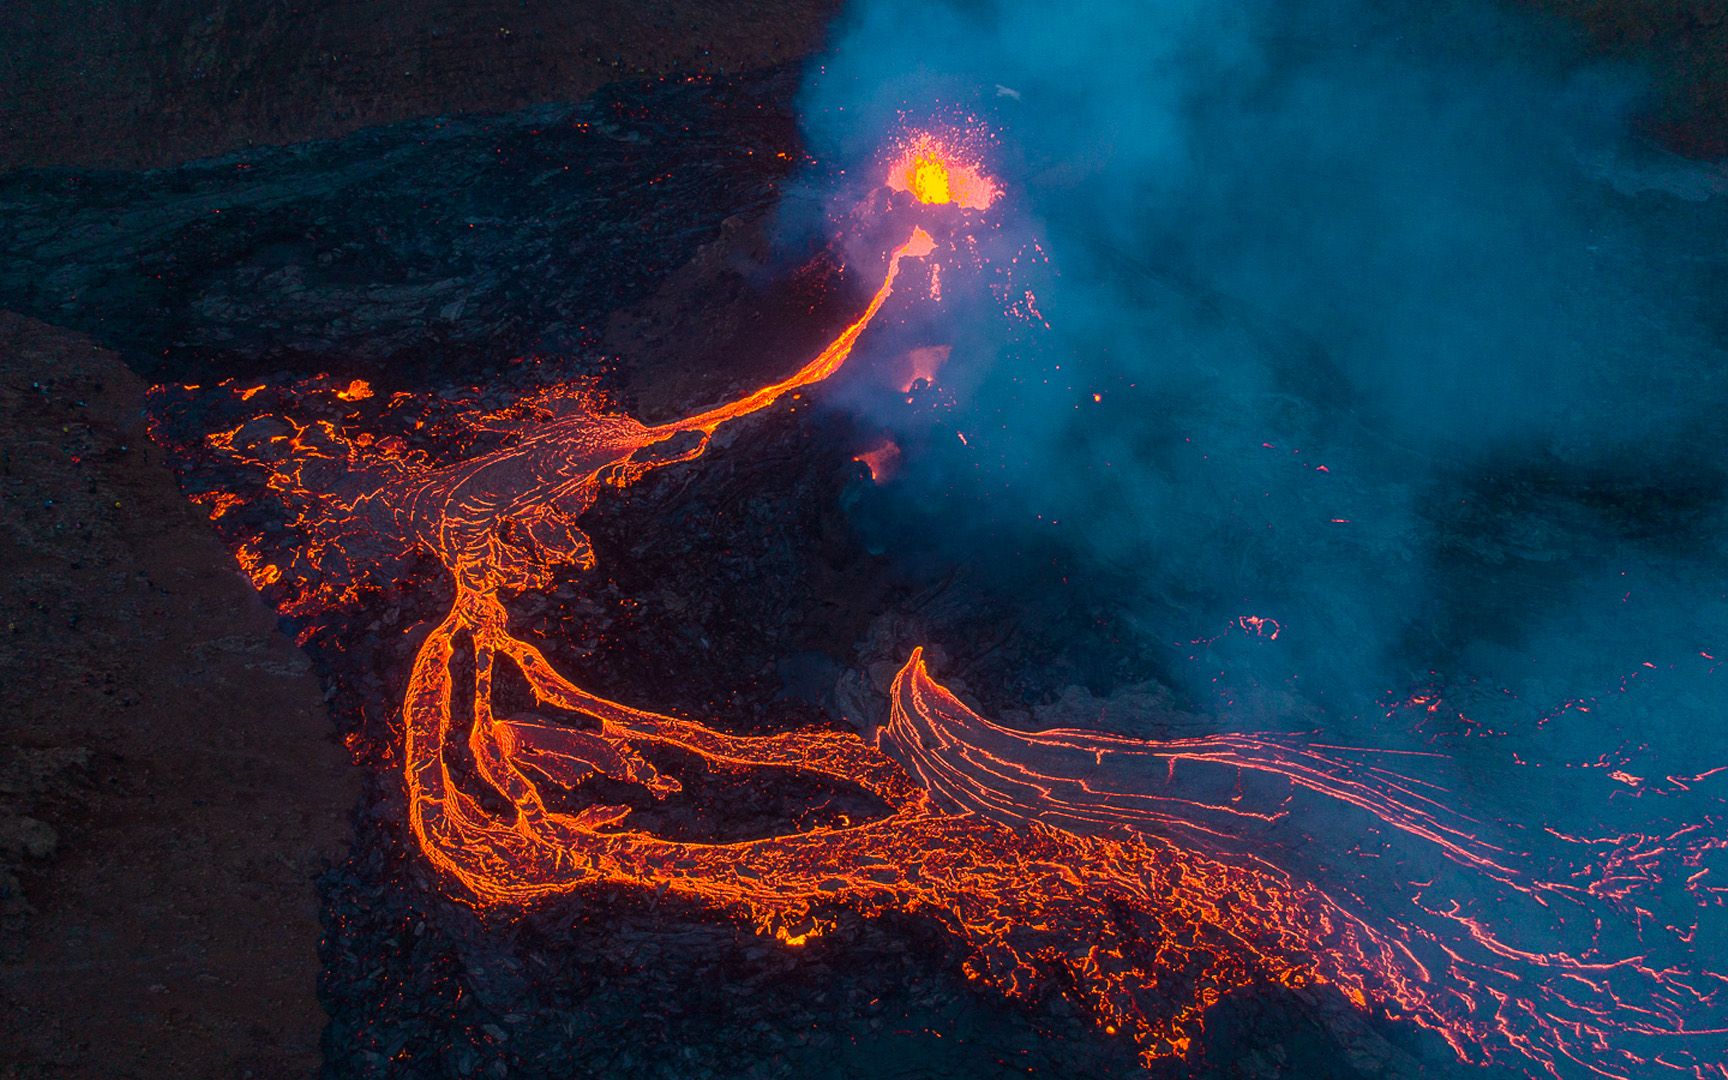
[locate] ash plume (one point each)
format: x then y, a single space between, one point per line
1380 322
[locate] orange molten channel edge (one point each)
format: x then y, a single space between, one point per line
1143 875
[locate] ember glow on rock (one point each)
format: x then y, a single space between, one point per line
882 461
1148 878
358 390
922 364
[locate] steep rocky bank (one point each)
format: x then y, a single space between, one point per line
170 784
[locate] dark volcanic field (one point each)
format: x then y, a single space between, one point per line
439 254
479 256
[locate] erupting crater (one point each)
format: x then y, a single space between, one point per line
937 174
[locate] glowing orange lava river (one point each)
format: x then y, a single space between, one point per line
1149 879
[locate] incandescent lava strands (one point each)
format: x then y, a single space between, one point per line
1147 878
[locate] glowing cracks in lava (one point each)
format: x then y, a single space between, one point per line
1257 625
937 174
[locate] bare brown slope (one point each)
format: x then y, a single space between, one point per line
169 784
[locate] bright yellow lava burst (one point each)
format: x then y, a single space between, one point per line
935 175
930 179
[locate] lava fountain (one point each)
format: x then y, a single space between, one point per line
937 174
1150 877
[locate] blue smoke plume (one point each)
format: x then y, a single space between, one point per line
1374 321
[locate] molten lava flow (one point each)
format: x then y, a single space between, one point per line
936 175
1150 877
826 363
